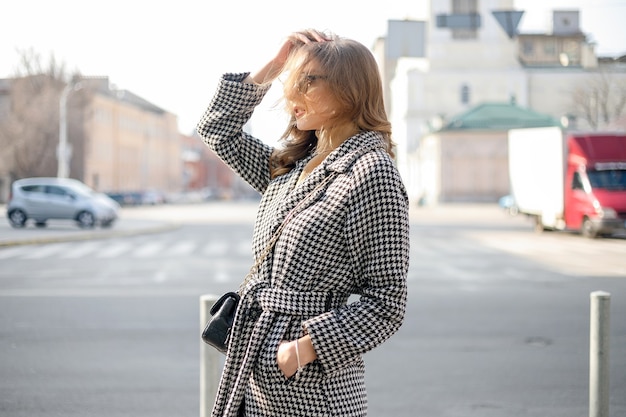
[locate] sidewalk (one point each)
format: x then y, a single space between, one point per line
64 231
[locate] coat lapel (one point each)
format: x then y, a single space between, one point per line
338 161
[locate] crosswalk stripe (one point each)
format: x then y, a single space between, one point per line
215 248
115 250
44 251
540 247
80 250
11 252
148 249
182 248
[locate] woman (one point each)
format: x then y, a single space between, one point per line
297 344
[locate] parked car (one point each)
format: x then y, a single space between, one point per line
125 198
137 198
41 199
152 197
508 204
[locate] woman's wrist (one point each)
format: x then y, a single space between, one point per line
306 350
267 74
294 355
299 362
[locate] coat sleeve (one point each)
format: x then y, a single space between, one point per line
221 128
377 235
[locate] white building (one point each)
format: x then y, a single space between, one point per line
468 53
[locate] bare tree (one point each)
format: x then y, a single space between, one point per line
29 130
601 99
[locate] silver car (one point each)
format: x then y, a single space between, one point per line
41 199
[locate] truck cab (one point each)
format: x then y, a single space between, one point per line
595 191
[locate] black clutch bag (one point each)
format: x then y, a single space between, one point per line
218 327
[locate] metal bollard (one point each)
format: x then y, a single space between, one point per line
210 361
599 354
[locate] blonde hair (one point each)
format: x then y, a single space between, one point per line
354 79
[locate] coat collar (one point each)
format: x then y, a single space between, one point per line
342 158
338 161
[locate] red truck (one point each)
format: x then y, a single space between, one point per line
568 180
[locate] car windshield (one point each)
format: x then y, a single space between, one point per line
610 179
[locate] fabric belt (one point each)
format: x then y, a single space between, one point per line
296 303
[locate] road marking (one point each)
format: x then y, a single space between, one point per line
100 292
148 249
11 252
115 250
40 252
80 249
137 249
215 248
182 248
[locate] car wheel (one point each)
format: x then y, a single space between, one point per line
86 220
17 218
588 230
40 224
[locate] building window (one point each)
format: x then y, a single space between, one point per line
469 8
527 47
465 94
463 22
549 48
464 6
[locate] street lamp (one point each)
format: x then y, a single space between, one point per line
64 150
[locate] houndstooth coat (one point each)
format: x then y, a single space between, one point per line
349 236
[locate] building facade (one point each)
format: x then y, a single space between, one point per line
119 144
467 159
207 174
469 52
129 143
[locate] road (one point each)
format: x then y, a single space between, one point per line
497 321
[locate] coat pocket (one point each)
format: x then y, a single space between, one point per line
273 392
267 363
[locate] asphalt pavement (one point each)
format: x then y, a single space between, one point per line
487 333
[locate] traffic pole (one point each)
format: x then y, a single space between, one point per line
599 354
210 361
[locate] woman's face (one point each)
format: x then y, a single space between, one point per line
312 102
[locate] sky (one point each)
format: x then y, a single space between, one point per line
172 53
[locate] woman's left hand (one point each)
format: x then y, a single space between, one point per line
286 358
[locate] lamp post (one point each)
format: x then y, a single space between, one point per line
64 150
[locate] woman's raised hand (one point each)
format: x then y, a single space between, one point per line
276 65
